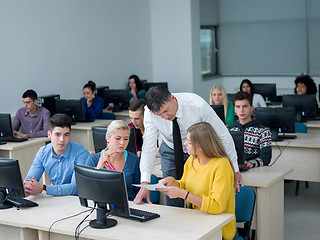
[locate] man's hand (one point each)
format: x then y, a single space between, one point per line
32 186
143 193
238 182
19 134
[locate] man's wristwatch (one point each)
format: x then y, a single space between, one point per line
44 190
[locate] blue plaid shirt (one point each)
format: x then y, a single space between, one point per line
59 169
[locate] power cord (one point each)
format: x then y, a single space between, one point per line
65 218
281 151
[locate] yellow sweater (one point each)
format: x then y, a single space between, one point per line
214 183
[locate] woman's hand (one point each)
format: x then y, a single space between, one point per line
174 192
104 160
169 181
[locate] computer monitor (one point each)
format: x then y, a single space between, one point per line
5 126
107 188
267 90
148 85
10 181
279 120
49 102
71 107
304 105
238 139
100 93
219 109
119 97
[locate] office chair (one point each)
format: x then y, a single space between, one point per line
300 128
99 138
132 141
245 201
108 116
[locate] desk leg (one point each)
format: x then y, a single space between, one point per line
270 211
13 233
43 235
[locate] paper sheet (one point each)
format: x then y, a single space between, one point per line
150 186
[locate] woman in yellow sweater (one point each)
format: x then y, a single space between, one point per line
208 178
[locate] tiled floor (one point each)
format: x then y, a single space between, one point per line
302 213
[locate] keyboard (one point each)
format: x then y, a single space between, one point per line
141 215
20 202
243 169
11 139
84 120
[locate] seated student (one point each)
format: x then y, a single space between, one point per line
305 85
33 120
115 157
57 159
218 96
257 138
257 100
136 88
207 182
136 112
92 104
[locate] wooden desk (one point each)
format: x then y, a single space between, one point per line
174 223
268 183
25 152
302 154
82 132
313 127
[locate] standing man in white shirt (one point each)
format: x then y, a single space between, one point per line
188 108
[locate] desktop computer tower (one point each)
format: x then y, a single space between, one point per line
49 102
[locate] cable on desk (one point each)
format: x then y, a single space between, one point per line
65 218
281 150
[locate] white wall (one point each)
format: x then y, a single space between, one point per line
57 46
172 43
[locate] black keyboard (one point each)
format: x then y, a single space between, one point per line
20 202
84 120
11 139
243 169
141 215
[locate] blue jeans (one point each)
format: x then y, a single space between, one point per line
169 170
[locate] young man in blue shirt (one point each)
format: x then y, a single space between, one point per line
57 159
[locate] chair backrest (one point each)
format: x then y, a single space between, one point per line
99 138
300 127
132 142
245 201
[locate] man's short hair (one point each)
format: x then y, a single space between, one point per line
156 97
241 95
137 105
60 120
31 94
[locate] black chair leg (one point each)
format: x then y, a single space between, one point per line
307 184
253 234
297 188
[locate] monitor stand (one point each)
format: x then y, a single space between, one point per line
102 221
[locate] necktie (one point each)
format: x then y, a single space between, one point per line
178 151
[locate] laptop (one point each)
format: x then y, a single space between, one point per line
6 131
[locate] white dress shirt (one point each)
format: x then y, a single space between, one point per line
191 109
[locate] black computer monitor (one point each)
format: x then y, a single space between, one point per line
10 181
71 107
267 90
238 139
219 109
119 97
279 120
107 188
148 85
304 105
49 102
100 93
5 126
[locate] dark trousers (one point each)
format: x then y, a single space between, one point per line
169 170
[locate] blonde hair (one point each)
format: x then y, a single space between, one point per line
224 98
203 135
116 125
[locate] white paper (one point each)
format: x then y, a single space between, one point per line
150 186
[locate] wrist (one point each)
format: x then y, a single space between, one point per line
186 195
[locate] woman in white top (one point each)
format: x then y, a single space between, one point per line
257 100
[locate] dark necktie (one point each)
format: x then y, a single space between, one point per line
178 151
